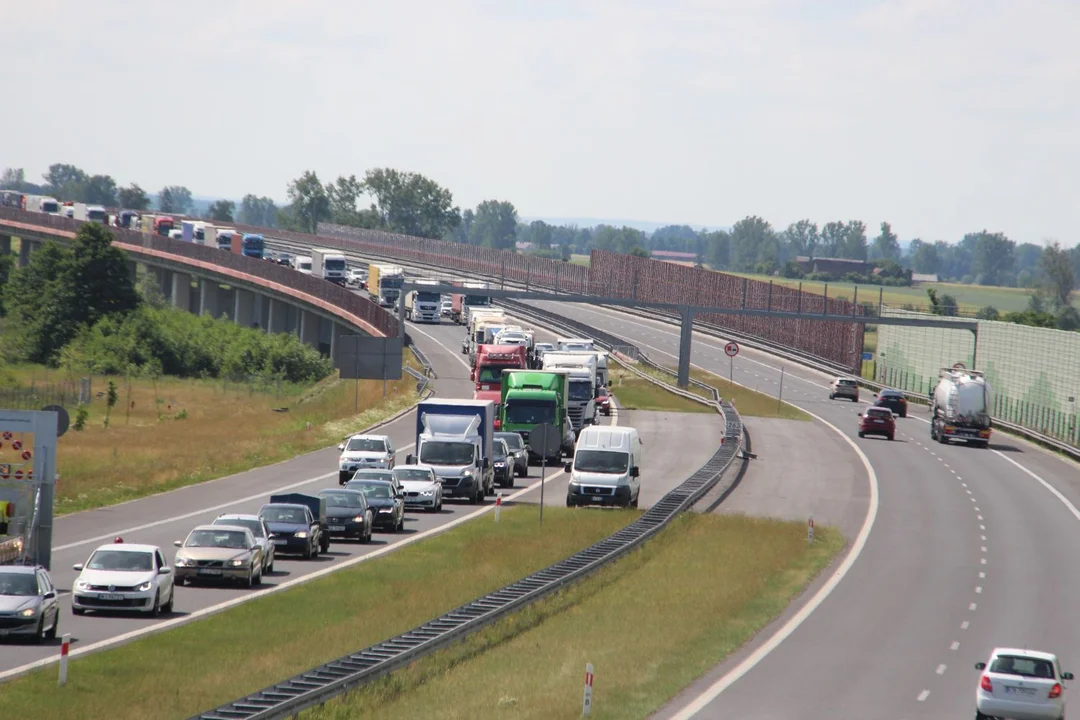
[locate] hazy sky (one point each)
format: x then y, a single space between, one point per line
940 116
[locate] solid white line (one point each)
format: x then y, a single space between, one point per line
1053 490
714 690
213 609
923 695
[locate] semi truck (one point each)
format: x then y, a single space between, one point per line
574 344
474 328
224 239
960 407
253 245
91 213
601 363
581 368
384 283
193 231
157 225
454 438
532 397
40 204
491 360
482 326
463 302
328 264
423 305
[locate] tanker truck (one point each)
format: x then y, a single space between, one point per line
960 407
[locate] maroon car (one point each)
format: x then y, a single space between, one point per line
877 421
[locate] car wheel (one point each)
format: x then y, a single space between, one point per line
258 577
324 543
155 611
39 636
903 414
168 607
891 437
862 434
307 552
831 396
51 634
77 610
401 523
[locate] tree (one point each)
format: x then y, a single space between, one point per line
538 233
15 179
495 225
410 203
1057 271
101 190
944 305
924 257
7 262
66 182
886 245
309 204
801 238
175 199
993 257
258 211
853 243
343 195
133 197
753 242
221 211
638 251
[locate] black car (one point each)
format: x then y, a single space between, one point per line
518 450
387 504
894 400
502 462
348 515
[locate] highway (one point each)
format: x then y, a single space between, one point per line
161 519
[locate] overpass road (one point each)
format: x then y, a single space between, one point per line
161 519
968 549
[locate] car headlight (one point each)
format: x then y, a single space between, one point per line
145 586
302 534
386 510
82 585
29 612
358 519
237 563
182 561
427 493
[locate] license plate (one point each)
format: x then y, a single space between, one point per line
1010 690
337 528
280 542
879 422
209 571
598 498
109 596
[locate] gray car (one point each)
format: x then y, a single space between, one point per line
258 528
518 449
28 603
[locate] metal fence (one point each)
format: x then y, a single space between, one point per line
38 395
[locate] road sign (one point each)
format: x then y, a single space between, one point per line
867 357
63 420
545 440
959 366
731 349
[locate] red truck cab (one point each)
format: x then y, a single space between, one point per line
163 224
491 360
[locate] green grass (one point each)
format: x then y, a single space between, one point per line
196 667
650 624
580 260
634 393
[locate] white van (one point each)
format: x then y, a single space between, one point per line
606 469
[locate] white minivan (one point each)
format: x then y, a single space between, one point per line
606 469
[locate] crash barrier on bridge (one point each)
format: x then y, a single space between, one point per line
627 277
337 677
372 317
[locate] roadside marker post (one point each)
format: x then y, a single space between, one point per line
64 647
498 506
586 707
810 530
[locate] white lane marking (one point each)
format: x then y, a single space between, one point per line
982 527
978 589
413 328
965 625
940 669
955 646
982 560
923 695
983 537
1053 490
714 690
982 575
979 516
983 548
972 607
976 508
213 609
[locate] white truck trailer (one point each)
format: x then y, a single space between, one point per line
328 264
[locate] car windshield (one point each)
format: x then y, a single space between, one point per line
445 452
530 412
581 390
1023 666
601 393
253 525
512 440
216 539
384 475
283 515
499 450
340 499
601 461
407 473
305 265
336 264
365 445
875 412
121 561
379 491
21 584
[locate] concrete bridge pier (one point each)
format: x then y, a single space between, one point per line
181 291
24 252
309 328
275 322
208 298
244 307
5 244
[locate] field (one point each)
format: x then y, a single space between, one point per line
646 641
193 668
171 433
634 393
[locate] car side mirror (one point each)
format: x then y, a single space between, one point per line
410 460
1066 676
178 543
270 536
165 571
567 467
635 471
52 593
980 666
77 566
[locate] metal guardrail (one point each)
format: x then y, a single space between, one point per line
287 698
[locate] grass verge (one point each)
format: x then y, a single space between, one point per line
634 393
733 575
196 667
171 432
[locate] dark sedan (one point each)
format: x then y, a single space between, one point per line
385 502
892 399
503 464
348 515
518 449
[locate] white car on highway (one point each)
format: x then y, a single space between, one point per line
124 577
422 488
364 452
1021 684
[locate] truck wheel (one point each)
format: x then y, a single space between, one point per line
475 498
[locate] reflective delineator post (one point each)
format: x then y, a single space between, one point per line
498 506
586 707
64 647
810 530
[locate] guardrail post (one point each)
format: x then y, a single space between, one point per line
686 334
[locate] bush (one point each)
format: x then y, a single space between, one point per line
173 342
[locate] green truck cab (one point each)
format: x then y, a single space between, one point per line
532 397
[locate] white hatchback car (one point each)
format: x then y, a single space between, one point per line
125 577
1021 684
365 452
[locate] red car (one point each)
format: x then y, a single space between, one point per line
877 421
603 401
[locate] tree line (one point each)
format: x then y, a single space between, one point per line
78 307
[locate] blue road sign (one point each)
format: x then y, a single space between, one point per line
867 357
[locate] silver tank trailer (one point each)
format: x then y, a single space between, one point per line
962 400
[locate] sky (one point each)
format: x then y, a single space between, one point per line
939 116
